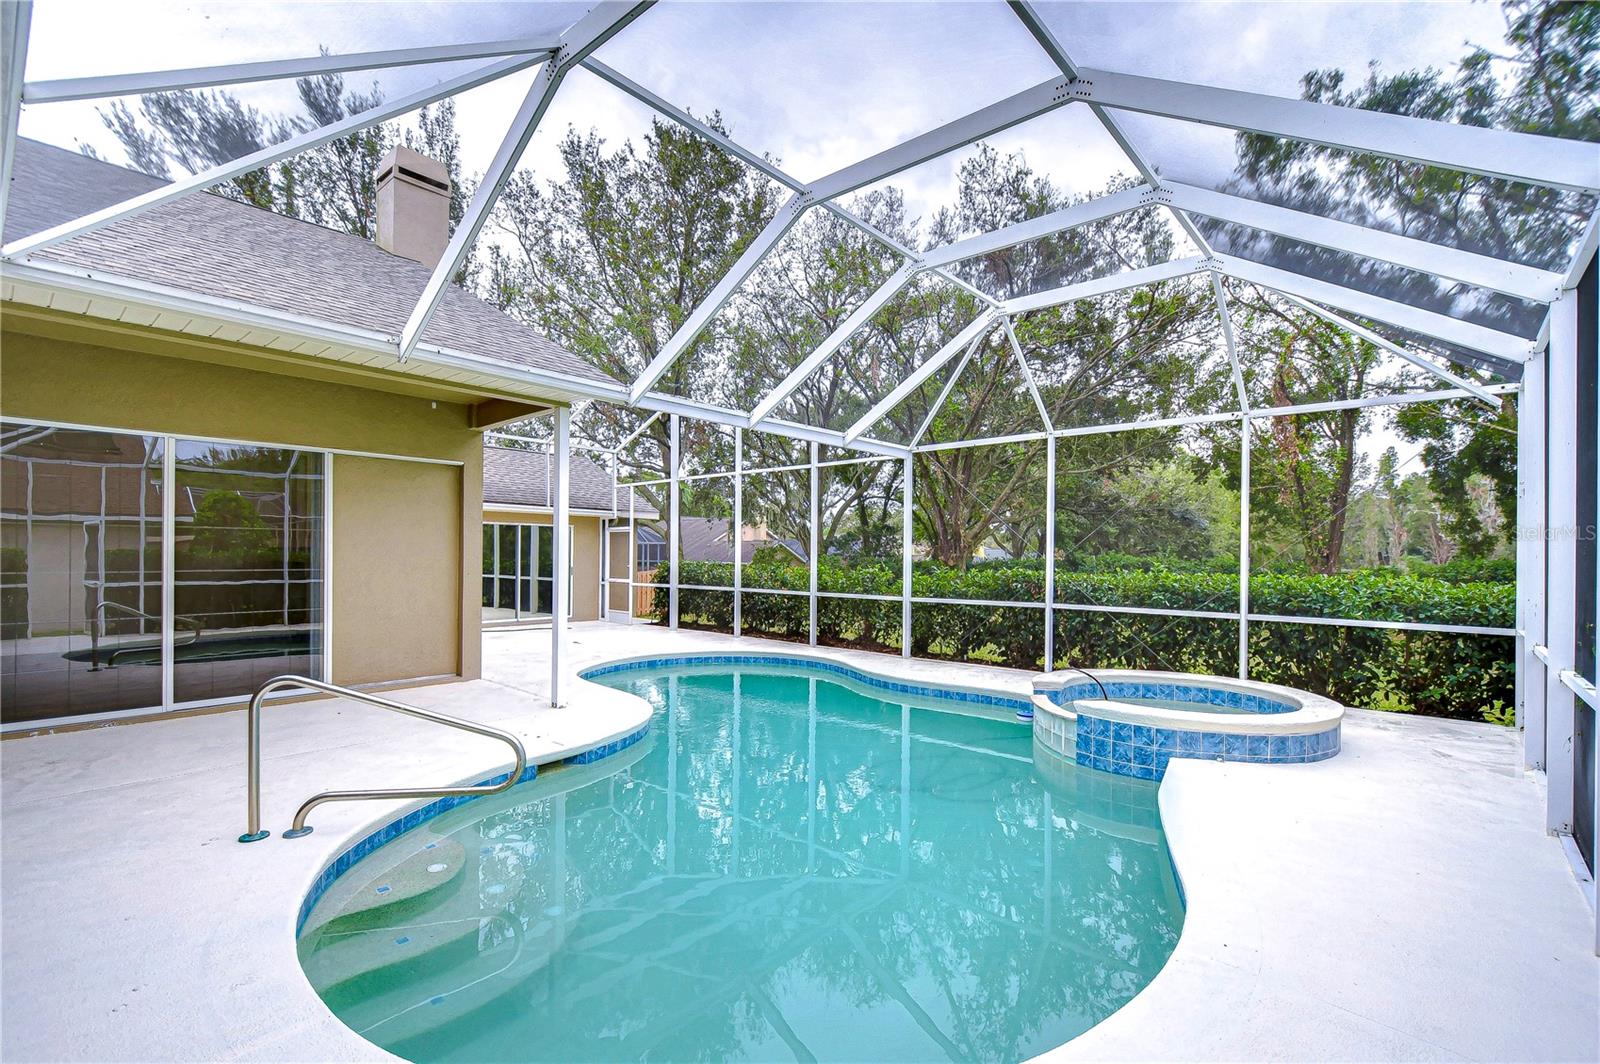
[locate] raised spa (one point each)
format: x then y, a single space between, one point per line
1134 722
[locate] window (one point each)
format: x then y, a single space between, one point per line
83 537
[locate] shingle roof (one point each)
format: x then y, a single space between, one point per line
219 247
518 476
709 539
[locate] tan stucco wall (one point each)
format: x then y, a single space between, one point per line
397 605
586 532
398 527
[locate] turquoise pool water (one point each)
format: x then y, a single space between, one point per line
787 867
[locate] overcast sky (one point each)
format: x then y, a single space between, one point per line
816 85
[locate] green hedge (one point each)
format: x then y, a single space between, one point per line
1424 672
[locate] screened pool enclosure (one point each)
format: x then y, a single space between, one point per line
1299 389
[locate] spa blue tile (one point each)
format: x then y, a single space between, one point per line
1144 755
1143 735
1121 732
1166 741
1255 747
1191 742
1211 744
1233 747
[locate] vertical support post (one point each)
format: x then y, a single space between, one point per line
15 22
1531 543
1244 547
169 562
633 550
560 552
816 511
1050 553
672 524
1561 558
906 533
737 532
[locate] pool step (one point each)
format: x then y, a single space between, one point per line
378 893
348 958
500 963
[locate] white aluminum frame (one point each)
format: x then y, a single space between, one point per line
1545 452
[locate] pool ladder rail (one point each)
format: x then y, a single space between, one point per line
299 827
193 625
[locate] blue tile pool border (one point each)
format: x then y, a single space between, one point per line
1011 702
1200 694
417 817
1144 751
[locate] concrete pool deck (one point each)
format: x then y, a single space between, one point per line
1400 901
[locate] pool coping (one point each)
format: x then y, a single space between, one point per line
953 692
1312 714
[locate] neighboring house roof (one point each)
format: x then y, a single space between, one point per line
221 248
519 476
708 539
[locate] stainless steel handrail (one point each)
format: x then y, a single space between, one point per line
253 782
195 627
1092 676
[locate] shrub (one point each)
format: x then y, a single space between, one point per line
1436 673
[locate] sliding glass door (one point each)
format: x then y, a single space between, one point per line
88 530
518 568
248 561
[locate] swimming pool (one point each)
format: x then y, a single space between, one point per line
791 864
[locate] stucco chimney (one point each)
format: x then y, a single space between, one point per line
413 206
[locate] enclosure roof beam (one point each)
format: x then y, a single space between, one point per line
604 21
93 88
636 433
776 228
1429 323
825 350
759 162
752 159
1526 157
1042 33
719 415
1496 275
266 156
1227 338
1092 210
986 121
1472 388
947 255
1027 375
975 331
15 20
944 393
1161 271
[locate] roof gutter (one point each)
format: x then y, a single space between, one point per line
523 381
541 384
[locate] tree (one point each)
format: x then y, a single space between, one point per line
1548 82
334 185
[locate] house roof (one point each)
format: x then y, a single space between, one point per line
708 539
221 248
519 476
